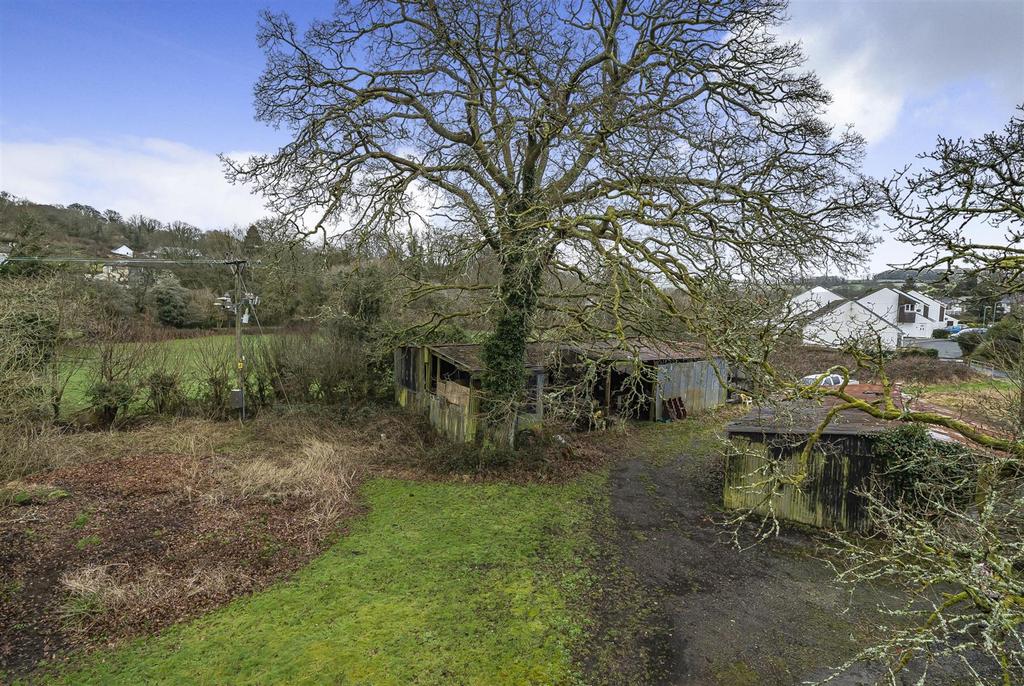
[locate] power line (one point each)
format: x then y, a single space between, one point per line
123 262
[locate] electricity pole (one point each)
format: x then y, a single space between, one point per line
237 266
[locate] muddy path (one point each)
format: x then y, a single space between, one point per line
683 605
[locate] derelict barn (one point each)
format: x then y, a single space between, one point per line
673 381
840 467
443 381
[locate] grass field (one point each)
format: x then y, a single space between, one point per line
186 356
440 583
992 402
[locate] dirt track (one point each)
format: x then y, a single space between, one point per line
704 611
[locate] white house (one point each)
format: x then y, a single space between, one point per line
954 306
842 321
116 272
814 299
915 313
888 314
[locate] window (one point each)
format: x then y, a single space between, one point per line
909 307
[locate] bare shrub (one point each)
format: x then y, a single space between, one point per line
315 367
28 343
213 359
796 361
912 369
116 368
29 448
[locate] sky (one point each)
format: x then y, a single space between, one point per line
125 104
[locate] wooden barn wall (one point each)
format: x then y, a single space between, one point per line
456 421
694 382
827 498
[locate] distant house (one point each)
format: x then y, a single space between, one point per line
444 382
842 321
1008 303
814 299
116 272
915 313
954 306
888 314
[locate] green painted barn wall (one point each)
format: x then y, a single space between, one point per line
827 498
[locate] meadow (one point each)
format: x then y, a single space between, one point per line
189 359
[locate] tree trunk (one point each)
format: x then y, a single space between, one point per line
504 352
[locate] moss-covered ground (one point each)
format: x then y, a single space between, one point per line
440 583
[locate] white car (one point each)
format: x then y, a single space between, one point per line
830 380
978 330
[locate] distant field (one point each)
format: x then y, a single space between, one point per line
188 357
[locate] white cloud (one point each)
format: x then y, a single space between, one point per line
877 58
858 100
151 176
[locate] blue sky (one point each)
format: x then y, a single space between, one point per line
178 70
125 105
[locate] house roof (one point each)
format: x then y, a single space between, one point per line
825 309
876 315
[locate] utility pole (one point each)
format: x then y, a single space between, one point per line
237 266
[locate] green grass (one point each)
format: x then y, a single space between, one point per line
182 355
438 584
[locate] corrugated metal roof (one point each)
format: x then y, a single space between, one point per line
646 351
467 355
802 417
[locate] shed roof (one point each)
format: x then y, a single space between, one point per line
467 355
803 417
646 351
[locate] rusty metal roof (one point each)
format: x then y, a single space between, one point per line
803 417
466 356
645 351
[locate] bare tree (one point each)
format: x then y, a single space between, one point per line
668 139
967 184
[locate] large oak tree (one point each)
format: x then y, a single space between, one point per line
596 142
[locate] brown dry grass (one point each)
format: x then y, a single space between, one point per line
319 473
169 519
98 593
798 361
